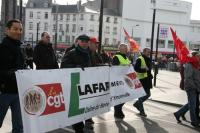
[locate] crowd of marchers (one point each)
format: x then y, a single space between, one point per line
83 53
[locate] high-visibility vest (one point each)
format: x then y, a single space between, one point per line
143 65
122 60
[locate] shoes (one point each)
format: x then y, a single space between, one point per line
119 115
143 114
89 121
195 124
177 118
183 117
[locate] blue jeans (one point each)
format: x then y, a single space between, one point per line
191 105
12 101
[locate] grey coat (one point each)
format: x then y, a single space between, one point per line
192 78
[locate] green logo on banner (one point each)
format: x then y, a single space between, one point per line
74 96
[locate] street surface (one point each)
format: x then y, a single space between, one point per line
166 98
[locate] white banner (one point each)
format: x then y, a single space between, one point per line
51 99
124 85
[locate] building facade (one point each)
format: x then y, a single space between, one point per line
169 13
69 21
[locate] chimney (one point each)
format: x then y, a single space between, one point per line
79 5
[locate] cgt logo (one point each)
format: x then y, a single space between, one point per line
44 99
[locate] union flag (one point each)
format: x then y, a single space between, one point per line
181 50
132 43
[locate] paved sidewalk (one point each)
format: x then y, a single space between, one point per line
167 89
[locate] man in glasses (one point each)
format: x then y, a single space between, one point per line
43 55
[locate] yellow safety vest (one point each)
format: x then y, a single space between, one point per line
143 65
123 61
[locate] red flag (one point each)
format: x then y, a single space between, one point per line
133 44
181 50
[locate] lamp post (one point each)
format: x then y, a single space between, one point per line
37 32
156 55
153 25
132 29
100 26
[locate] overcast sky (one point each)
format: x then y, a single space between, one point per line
195 6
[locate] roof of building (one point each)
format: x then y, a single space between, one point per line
65 9
39 3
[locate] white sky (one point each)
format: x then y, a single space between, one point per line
195 6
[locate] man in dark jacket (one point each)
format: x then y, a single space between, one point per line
143 69
43 55
29 55
120 59
11 59
78 58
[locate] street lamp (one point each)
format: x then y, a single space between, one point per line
153 25
132 29
100 26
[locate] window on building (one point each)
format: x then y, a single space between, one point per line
74 17
61 16
54 17
31 4
108 19
30 25
60 38
115 20
106 41
114 41
82 17
46 4
170 44
81 29
114 30
67 39
60 27
107 30
31 15
73 39
38 15
138 40
74 28
46 15
148 42
53 38
161 43
30 37
39 26
68 17
91 28
92 17
46 26
54 27
67 27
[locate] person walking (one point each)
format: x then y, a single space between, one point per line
78 58
43 54
120 59
29 55
143 69
192 87
12 59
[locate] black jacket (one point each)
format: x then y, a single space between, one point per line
96 59
146 82
77 57
44 56
11 59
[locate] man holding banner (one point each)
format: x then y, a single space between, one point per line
120 59
143 67
78 57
